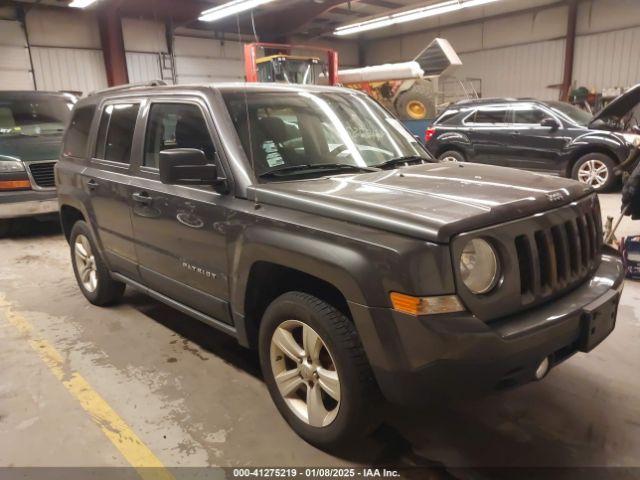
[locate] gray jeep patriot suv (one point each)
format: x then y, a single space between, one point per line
309 224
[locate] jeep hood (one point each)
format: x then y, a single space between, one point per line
619 107
30 148
432 201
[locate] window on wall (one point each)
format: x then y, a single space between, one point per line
528 115
175 125
75 143
115 133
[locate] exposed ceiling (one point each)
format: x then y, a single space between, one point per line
308 18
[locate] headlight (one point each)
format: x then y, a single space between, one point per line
632 138
10 166
479 266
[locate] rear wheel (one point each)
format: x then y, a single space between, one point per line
92 274
596 170
316 370
451 156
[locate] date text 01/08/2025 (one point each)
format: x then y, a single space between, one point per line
315 473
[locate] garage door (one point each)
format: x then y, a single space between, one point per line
15 68
204 60
66 50
69 69
145 45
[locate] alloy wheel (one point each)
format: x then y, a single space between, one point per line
594 173
85 263
305 373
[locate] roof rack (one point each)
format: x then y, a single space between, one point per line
480 101
148 83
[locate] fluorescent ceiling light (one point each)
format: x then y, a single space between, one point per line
81 3
409 15
230 8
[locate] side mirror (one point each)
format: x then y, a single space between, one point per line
552 123
187 166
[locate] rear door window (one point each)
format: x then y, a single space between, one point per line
489 116
115 133
75 143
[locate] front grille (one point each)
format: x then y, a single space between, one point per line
557 256
42 174
542 257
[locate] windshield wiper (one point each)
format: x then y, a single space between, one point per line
323 167
394 162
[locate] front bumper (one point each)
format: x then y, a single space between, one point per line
416 359
28 203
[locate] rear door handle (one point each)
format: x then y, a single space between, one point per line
92 184
142 197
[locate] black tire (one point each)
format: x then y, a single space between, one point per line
452 156
5 228
358 410
601 159
417 103
107 290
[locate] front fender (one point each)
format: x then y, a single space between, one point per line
334 263
599 141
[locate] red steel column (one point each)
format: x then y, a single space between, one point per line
113 47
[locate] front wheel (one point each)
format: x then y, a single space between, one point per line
316 370
596 170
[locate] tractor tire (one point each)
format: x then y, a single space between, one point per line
417 103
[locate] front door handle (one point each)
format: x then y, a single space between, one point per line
142 197
92 184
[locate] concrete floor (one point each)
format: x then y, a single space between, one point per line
195 398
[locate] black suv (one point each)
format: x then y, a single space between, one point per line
547 137
31 127
309 224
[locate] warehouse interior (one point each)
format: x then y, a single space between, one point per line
144 389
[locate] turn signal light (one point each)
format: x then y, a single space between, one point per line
429 133
425 305
15 185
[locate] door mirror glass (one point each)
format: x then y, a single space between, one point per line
187 166
551 123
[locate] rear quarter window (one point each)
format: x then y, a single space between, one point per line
77 136
446 117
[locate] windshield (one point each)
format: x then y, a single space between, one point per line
281 130
33 116
572 113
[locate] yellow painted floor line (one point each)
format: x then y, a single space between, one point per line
112 425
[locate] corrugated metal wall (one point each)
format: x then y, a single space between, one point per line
610 59
522 54
520 71
15 68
